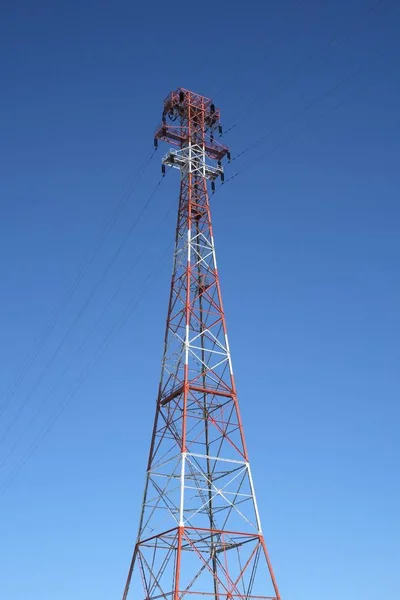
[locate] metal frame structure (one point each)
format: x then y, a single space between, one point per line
199 532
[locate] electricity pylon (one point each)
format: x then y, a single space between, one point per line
200 531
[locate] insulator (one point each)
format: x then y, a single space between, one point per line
222 177
220 129
164 120
211 137
228 154
155 143
163 169
212 109
213 186
219 163
181 96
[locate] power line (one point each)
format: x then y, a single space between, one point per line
83 375
314 102
79 314
299 132
81 346
341 37
72 360
87 261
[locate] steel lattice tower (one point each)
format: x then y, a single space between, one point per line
199 531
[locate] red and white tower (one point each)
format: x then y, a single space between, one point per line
200 532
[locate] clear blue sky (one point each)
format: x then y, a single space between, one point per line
308 249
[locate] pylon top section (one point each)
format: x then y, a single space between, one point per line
190 119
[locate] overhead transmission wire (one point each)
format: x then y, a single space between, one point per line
107 340
80 313
299 132
88 259
78 351
313 102
114 330
340 37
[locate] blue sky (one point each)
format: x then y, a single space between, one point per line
308 249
